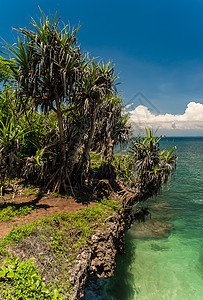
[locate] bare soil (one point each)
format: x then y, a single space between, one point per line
44 206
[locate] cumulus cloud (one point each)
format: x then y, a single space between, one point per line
192 119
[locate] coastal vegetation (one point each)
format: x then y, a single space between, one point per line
62 101
60 118
52 246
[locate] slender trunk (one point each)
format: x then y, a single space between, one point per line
110 141
102 152
61 134
85 155
73 149
91 134
110 150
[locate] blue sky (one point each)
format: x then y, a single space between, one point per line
157 45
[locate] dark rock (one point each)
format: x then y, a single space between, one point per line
162 210
150 229
107 242
100 260
156 247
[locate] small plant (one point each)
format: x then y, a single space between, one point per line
168 156
7 213
142 146
95 157
20 280
64 235
125 168
29 192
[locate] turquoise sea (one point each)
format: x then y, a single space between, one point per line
171 267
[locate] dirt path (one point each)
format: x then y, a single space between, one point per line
44 207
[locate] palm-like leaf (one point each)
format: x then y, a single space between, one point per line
51 70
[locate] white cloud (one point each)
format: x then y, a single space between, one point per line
191 120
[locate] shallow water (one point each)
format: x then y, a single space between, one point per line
170 267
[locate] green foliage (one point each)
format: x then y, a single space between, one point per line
98 164
20 280
45 61
148 146
95 157
10 211
111 204
54 76
36 136
65 235
168 156
20 133
5 71
84 220
141 146
29 191
15 236
112 126
145 166
84 223
8 103
125 167
61 97
10 132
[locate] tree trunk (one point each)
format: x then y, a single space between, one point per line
102 152
85 155
91 133
110 141
73 150
61 134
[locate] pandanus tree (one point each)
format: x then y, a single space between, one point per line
112 126
47 63
5 71
10 131
54 75
142 172
152 166
98 84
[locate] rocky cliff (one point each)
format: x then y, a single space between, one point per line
100 259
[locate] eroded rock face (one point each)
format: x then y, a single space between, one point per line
150 229
100 259
108 241
80 273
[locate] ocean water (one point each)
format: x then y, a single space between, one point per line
170 267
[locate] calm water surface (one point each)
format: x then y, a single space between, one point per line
171 267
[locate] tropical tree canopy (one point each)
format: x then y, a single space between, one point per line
54 76
57 106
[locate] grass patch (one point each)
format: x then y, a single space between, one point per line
8 211
28 192
55 243
15 236
85 220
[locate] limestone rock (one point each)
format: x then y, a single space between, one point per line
150 229
162 210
